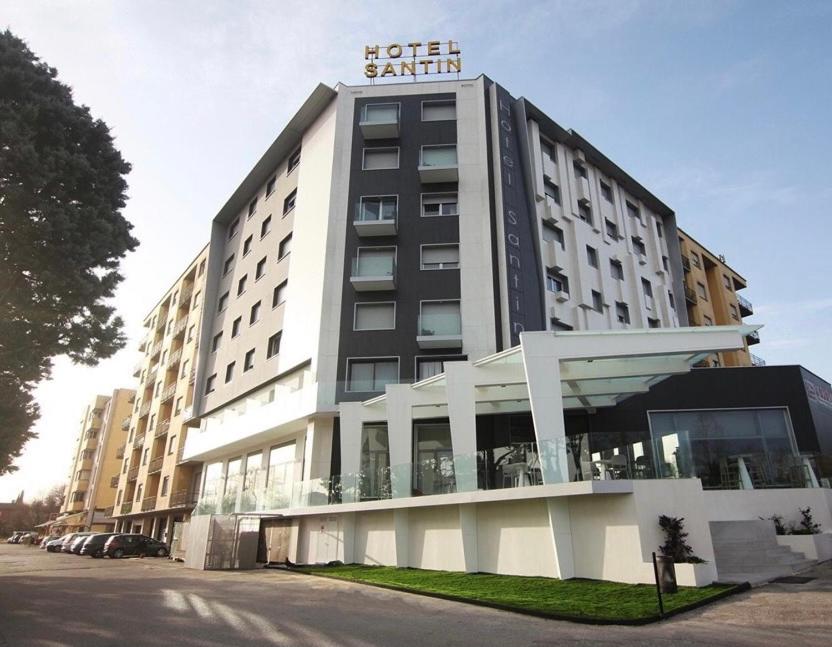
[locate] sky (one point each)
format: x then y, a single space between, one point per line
721 109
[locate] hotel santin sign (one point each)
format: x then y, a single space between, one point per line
412 59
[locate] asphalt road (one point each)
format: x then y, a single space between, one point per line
56 600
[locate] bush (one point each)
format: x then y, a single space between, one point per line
779 528
676 545
807 525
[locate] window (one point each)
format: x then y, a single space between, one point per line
223 302
612 228
380 113
439 204
376 159
260 270
171 444
700 288
443 155
556 282
375 316
734 314
284 248
145 455
622 312
653 323
252 207
184 368
726 281
241 284
584 212
659 229
557 324
597 301
371 374
428 366
438 110
232 228
273 347
215 343
201 269
235 327
178 408
266 226
552 191
294 160
694 258
196 299
552 234
606 191
247 245
579 170
165 482
440 318
139 492
548 150
377 207
633 211
616 270
665 263
672 300
254 314
229 372
647 289
270 185
279 294
638 246
248 362
440 257
289 202
591 256
708 321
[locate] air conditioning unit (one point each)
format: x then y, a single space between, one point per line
562 296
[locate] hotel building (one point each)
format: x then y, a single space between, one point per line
93 475
425 296
156 487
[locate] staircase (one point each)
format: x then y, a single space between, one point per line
747 551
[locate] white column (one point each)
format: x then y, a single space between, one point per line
351 430
561 528
317 449
348 534
401 528
468 528
400 438
462 415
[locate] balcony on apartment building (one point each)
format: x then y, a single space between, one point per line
376 216
157 348
746 309
132 473
127 507
120 451
137 369
143 343
138 441
148 503
174 358
125 423
690 295
114 481
438 164
380 121
374 269
108 512
152 373
185 297
144 409
182 499
179 327
756 360
440 326
155 465
168 392
161 428
686 262
752 338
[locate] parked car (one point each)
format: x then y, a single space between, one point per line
123 545
76 544
94 544
45 541
15 537
66 547
55 545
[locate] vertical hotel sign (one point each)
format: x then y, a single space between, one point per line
523 277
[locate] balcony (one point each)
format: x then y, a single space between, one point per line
144 410
108 512
373 271
173 360
143 344
168 392
746 309
127 508
132 473
161 428
690 296
155 465
376 216
125 424
120 451
157 348
137 369
188 417
132 398
757 361
752 338
182 499
114 481
152 372
148 503
438 164
180 327
380 121
192 376
685 263
185 297
138 441
439 330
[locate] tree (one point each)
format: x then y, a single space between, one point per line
29 515
62 236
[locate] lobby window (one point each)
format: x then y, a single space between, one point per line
279 294
553 234
252 207
556 282
254 314
440 257
229 372
579 170
289 202
273 346
638 246
294 160
215 342
375 316
439 204
597 301
622 312
439 110
584 212
612 229
270 185
591 256
617 270
439 155
222 304
248 361
260 270
377 159
365 375
430 365
552 191
285 247
372 208
633 211
647 289
247 245
266 226
241 284
703 292
380 113
235 327
606 191
232 228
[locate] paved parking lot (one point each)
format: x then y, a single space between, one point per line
56 600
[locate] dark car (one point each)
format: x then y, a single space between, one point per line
55 545
94 544
76 544
68 543
134 544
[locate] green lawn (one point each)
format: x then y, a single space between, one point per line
580 599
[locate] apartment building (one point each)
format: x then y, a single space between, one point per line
93 476
156 487
713 299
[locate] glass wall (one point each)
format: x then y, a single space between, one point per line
374 480
433 458
280 475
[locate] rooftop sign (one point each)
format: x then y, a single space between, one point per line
412 59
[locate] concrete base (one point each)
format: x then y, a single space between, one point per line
815 547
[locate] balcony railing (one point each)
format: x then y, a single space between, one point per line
148 503
376 216
185 297
125 424
138 441
120 451
192 376
168 393
690 295
161 428
127 508
685 263
132 473
439 330
746 309
157 347
114 481
155 465
108 512
373 273
757 361
180 327
152 372
752 338
144 410
174 358
438 164
137 369
380 121
182 499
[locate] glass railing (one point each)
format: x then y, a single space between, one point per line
375 210
380 114
440 324
444 156
373 266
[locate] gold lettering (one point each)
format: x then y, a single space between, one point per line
371 70
388 70
407 68
415 47
394 50
370 52
433 48
426 63
454 65
453 49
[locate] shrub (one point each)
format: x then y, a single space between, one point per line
779 527
807 525
676 545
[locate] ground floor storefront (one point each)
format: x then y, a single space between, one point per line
160 525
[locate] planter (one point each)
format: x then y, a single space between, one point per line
817 547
